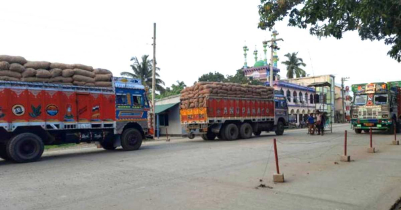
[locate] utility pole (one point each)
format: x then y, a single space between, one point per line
154 79
273 46
343 79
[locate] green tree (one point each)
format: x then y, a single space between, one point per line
175 89
373 19
293 66
212 77
143 70
240 78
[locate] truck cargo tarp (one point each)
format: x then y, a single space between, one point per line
164 107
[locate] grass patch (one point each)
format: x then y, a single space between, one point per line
47 147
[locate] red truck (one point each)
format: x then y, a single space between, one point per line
36 114
233 118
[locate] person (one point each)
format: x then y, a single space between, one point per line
311 124
318 121
323 122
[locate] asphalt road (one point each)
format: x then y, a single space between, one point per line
197 174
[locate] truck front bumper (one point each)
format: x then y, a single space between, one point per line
375 124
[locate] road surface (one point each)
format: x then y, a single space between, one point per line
196 174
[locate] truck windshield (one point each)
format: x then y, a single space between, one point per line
360 99
380 99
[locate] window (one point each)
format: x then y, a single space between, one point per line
311 98
281 91
306 98
301 97
137 100
294 95
316 98
163 119
121 99
380 99
288 96
360 99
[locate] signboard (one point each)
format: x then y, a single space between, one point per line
381 88
370 88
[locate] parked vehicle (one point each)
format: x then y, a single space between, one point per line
236 118
376 106
36 114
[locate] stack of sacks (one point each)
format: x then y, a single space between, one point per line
11 67
83 75
103 78
195 96
17 68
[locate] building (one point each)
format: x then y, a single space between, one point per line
168 117
300 100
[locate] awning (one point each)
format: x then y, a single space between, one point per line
164 107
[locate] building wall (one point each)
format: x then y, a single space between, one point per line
174 127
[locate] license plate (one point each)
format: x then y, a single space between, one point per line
369 124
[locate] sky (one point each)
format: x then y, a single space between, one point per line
193 38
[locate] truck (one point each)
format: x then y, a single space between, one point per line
376 106
230 118
33 115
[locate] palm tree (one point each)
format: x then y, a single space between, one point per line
143 70
293 66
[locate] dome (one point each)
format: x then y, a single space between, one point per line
259 63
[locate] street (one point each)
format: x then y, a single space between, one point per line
197 174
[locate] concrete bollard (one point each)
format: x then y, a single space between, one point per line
277 177
345 157
371 149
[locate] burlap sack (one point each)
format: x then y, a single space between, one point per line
10 74
61 66
102 71
13 59
6 78
77 83
90 84
34 79
38 65
67 83
84 73
17 67
29 73
41 73
83 67
4 65
56 72
68 73
103 77
103 84
61 80
80 78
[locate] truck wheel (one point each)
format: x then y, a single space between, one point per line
231 132
108 144
358 131
25 147
245 131
191 135
3 152
257 133
280 128
222 134
131 139
208 136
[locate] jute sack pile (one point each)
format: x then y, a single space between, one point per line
103 78
195 96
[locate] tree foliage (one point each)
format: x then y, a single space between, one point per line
175 89
293 66
239 78
143 70
373 19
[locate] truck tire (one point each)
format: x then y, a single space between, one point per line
208 136
280 128
231 132
131 139
222 135
358 131
108 144
245 131
3 152
25 147
257 133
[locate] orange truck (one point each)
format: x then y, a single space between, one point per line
233 118
36 114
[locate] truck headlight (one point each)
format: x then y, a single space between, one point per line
385 116
355 116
